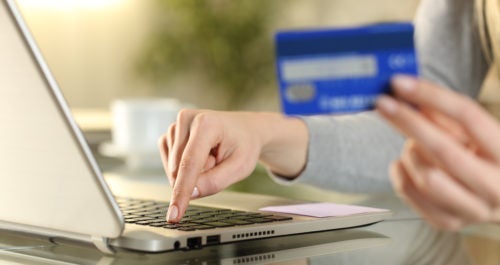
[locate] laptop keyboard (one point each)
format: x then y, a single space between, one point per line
152 213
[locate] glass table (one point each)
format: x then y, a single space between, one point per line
402 239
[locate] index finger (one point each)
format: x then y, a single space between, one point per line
477 123
201 140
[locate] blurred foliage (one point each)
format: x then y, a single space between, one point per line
229 42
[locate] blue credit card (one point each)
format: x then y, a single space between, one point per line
341 70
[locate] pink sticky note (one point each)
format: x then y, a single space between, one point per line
322 209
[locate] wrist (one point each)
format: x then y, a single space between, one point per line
283 144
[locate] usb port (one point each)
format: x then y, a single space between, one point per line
194 242
213 240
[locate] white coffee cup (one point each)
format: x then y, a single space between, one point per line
137 125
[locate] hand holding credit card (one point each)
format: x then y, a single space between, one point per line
341 70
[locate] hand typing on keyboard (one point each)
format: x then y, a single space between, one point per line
205 151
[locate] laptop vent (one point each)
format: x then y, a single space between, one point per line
254 259
253 234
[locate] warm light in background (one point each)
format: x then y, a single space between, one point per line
68 4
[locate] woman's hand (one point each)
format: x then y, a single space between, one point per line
205 151
449 170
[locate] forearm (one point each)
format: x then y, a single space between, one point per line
350 152
284 143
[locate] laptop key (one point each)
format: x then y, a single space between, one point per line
171 226
219 224
260 220
186 229
245 214
202 227
225 215
139 219
238 222
280 218
157 224
147 222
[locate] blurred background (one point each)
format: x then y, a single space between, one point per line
215 54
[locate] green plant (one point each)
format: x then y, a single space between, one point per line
229 42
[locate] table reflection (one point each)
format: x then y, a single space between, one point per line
404 240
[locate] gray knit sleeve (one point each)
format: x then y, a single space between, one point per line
448 45
352 152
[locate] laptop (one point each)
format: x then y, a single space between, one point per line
51 185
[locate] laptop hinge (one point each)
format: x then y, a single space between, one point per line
102 244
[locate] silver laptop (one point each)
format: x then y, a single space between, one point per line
51 184
294 249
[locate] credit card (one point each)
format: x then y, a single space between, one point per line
343 70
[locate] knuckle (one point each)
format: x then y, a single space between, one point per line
212 187
172 176
409 154
177 192
426 178
186 163
172 173
161 142
447 155
203 119
412 149
171 128
244 169
184 115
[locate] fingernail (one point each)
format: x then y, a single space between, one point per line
387 105
404 83
196 193
173 211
